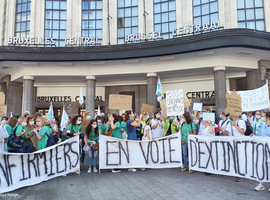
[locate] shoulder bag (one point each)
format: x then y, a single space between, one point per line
15 142
95 146
67 135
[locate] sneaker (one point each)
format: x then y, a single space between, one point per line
269 190
132 170
238 179
259 187
116 170
65 175
89 170
95 170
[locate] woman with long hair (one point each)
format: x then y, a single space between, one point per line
42 134
131 128
91 136
187 128
28 145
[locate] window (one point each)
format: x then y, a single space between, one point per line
205 11
164 17
23 18
127 21
4 22
92 19
55 21
250 14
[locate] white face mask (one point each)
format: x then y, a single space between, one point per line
31 123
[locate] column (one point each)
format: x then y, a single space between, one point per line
90 94
151 90
28 94
220 89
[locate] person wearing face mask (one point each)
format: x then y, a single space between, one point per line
43 133
91 136
123 124
257 123
131 128
3 136
171 126
157 126
265 132
19 132
209 129
87 115
187 128
138 129
54 124
4 121
225 128
201 125
27 146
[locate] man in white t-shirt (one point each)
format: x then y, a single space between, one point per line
157 126
238 126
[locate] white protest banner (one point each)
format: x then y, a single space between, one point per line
209 116
20 169
246 157
160 153
253 100
198 106
175 102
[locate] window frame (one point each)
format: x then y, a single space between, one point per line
22 33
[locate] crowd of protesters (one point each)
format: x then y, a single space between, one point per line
128 126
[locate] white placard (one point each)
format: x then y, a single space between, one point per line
209 116
20 169
198 106
253 100
246 157
175 102
161 153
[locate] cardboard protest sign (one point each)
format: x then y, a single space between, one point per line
209 116
233 104
120 102
146 109
163 106
34 141
175 102
246 157
198 106
22 169
253 100
2 103
161 153
85 123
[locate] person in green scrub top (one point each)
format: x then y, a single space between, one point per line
27 146
91 136
11 124
116 132
45 130
19 132
101 124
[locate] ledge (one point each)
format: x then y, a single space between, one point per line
217 39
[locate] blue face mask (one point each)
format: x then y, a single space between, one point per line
53 120
88 117
220 116
95 126
158 116
38 123
136 119
24 124
99 121
4 122
258 116
171 118
201 116
79 122
183 120
192 115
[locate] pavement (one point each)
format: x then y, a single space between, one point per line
150 184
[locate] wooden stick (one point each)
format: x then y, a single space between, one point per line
98 170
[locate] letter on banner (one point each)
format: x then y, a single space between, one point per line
246 157
20 170
161 153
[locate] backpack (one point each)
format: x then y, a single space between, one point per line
15 142
51 140
249 129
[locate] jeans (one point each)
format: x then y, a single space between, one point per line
27 149
185 154
90 155
83 152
